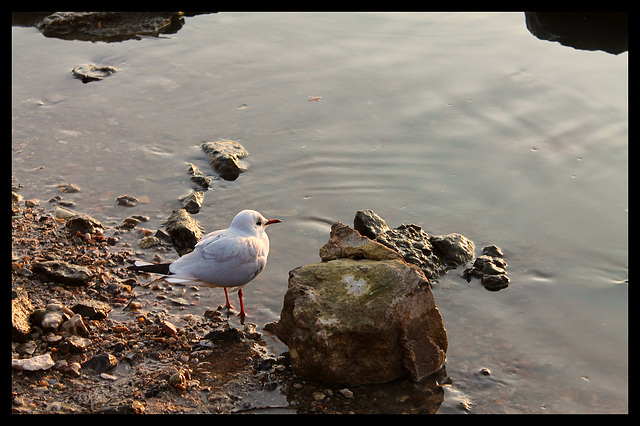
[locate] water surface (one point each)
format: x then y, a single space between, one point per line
456 122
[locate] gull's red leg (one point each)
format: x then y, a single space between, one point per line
242 314
226 295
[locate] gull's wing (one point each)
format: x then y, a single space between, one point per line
224 259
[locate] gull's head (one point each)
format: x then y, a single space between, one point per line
251 221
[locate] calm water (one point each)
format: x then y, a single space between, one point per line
457 122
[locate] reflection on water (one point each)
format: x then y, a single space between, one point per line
456 122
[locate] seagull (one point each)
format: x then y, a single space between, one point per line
228 258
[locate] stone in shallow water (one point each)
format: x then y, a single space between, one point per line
454 249
224 156
184 230
90 72
491 268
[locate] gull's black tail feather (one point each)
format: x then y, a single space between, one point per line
155 268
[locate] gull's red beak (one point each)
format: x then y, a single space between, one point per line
270 221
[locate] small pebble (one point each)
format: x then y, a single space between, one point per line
346 393
484 372
318 396
108 376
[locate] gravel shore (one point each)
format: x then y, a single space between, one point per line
139 358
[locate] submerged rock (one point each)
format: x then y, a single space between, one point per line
224 156
127 200
69 188
90 72
192 202
362 315
148 241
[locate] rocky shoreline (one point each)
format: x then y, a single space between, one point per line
90 336
69 354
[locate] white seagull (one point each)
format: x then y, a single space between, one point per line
228 258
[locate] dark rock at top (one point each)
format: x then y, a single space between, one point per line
110 26
369 224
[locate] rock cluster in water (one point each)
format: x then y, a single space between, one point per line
433 254
224 157
366 313
183 231
491 268
362 315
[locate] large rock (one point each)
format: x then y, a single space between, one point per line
362 315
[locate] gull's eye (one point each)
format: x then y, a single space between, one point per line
259 222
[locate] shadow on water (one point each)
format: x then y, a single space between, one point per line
607 31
